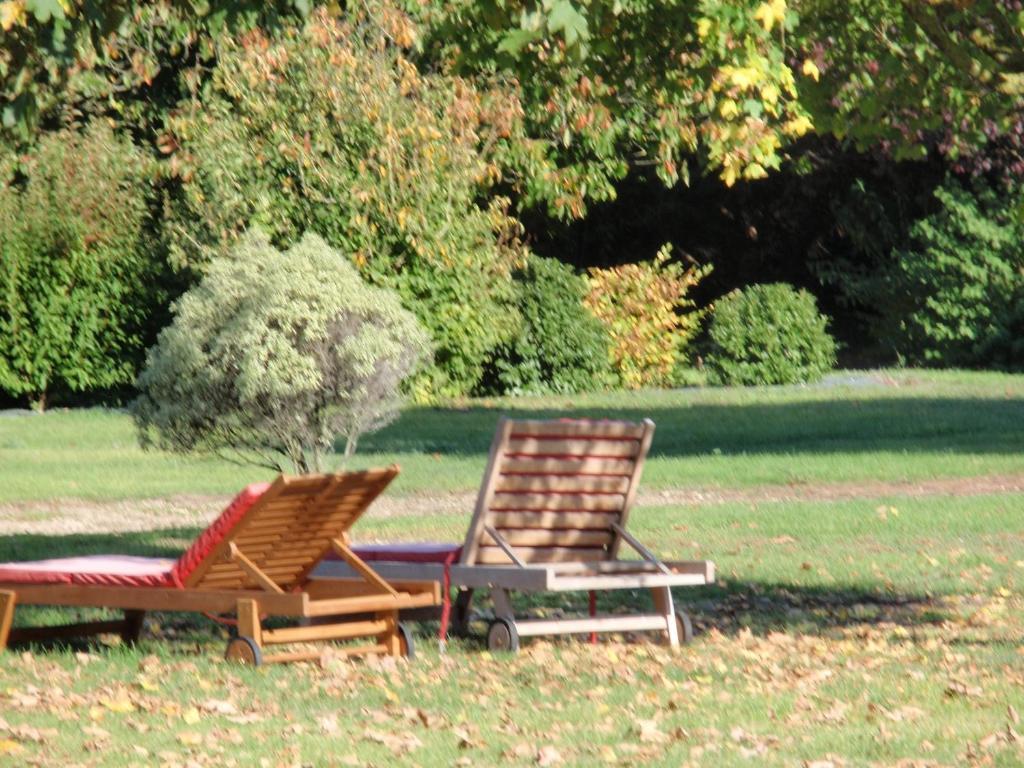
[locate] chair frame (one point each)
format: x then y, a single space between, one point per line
363 606
600 569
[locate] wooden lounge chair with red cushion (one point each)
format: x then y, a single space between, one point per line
255 560
551 516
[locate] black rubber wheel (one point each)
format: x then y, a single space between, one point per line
244 650
461 611
406 642
502 636
684 628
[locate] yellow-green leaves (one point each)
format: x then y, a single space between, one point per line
771 13
649 315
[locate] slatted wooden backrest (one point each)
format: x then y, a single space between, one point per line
553 489
289 529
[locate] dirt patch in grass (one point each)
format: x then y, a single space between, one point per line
74 516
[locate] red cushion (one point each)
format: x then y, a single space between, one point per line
411 552
95 570
215 533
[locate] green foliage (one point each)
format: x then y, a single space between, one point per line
106 55
560 347
769 334
275 354
963 280
581 90
330 129
78 265
901 73
647 312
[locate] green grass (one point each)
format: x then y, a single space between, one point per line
890 426
864 632
836 630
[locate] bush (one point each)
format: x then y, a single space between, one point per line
560 346
330 129
80 269
646 312
963 279
769 334
274 354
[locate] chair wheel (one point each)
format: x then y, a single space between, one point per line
684 628
406 642
502 636
244 650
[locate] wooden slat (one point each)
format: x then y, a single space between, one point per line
580 428
483 499
317 632
303 513
580 466
370 603
332 588
253 571
532 446
633 623
556 502
634 483
581 520
157 598
287 561
494 555
533 537
563 484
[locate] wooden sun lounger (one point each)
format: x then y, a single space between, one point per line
254 561
551 516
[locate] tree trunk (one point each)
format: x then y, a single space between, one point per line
38 402
350 449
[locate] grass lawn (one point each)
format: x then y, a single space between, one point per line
868 631
886 426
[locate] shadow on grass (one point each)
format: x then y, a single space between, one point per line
165 542
761 607
949 425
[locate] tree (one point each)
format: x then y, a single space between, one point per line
329 128
580 92
915 77
109 53
961 277
79 271
274 354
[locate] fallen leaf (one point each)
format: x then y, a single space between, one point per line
120 705
328 724
959 688
219 706
648 732
548 755
190 738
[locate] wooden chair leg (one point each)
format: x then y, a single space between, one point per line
502 604
7 600
249 621
663 605
132 626
390 638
